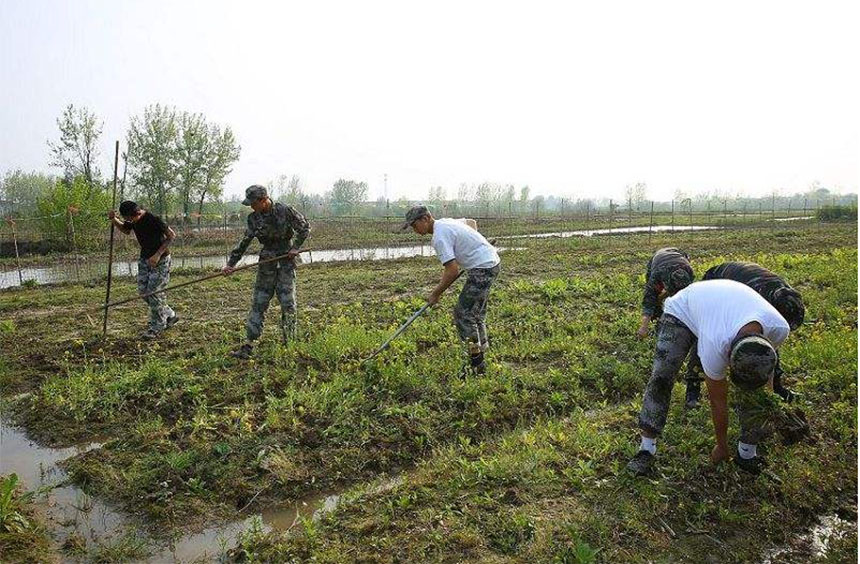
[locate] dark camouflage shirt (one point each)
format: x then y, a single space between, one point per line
280 229
770 286
658 277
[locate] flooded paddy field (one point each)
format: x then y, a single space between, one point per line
172 451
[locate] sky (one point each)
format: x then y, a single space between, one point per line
572 99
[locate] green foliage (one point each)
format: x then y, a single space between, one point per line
75 213
23 190
346 195
837 213
12 520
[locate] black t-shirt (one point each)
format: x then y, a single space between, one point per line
150 231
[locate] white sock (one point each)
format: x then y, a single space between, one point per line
649 444
746 451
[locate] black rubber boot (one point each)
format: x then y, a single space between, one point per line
642 464
477 364
753 465
243 352
694 393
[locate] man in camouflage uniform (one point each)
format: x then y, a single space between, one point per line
787 301
153 268
735 331
281 230
668 272
458 244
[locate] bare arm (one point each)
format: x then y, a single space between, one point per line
449 274
169 236
118 223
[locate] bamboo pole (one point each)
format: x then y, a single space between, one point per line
195 281
110 254
17 256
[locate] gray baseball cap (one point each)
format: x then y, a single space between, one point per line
414 214
254 193
752 360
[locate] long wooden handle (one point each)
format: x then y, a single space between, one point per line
195 281
110 255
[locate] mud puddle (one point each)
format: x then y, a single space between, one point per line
71 515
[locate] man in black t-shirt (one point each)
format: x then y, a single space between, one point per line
153 268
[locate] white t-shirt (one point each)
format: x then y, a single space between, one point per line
715 310
453 239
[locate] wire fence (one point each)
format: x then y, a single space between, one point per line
75 247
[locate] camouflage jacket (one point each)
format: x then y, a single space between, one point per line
658 277
771 287
280 229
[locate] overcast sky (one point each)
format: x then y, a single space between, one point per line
574 101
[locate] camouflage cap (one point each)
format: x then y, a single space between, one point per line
414 214
752 361
254 193
789 304
679 279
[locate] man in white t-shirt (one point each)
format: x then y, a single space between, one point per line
459 245
738 332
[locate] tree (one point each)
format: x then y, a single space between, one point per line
636 194
76 200
291 191
436 197
152 143
22 190
76 152
346 196
524 197
190 153
222 152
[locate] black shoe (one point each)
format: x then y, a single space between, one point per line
642 464
171 321
477 364
694 392
787 395
243 353
753 465
150 334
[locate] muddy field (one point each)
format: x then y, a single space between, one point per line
306 453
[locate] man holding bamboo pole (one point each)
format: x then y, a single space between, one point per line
281 230
153 268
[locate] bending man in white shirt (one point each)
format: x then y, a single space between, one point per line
460 246
738 332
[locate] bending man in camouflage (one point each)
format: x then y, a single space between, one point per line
668 272
735 330
459 245
281 230
776 291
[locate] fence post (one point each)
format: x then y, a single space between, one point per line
725 214
17 256
772 212
651 222
587 216
74 242
673 215
226 237
691 215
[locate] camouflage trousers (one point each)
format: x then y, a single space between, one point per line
150 279
273 278
674 342
470 313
